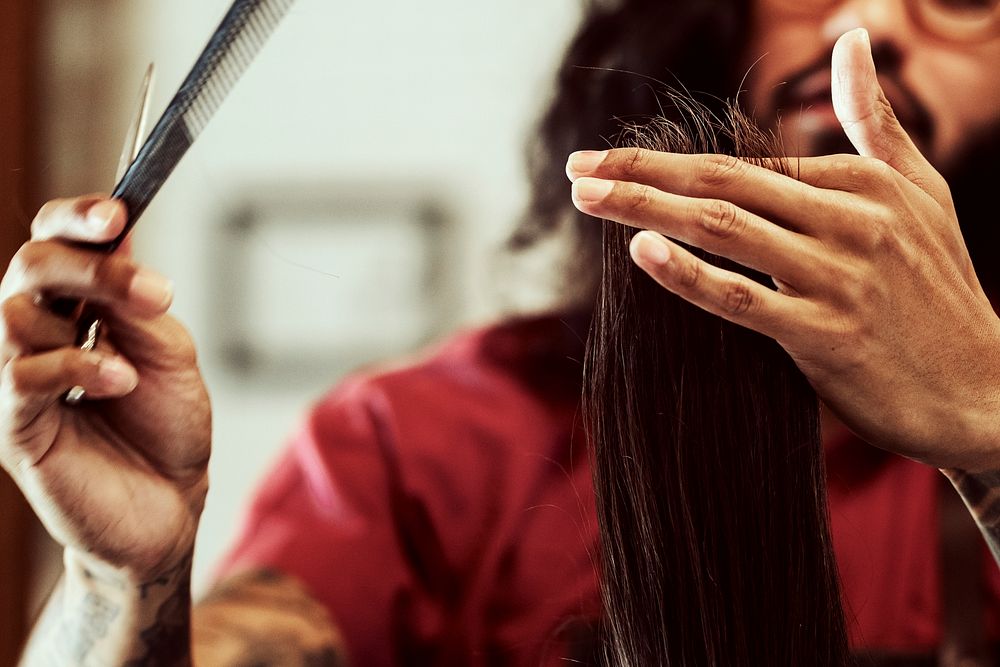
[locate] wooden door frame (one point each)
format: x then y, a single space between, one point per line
19 33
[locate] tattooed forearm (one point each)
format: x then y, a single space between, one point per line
167 641
95 616
59 640
105 618
258 619
981 493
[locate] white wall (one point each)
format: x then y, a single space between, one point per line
442 91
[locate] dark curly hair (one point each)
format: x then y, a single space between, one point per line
608 78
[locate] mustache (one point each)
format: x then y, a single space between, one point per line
913 114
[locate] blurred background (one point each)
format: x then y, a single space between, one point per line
347 204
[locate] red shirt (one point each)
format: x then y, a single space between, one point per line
444 513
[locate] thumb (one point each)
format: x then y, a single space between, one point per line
866 115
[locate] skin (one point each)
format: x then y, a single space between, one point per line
877 300
120 482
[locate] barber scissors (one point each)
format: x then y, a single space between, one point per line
89 323
145 166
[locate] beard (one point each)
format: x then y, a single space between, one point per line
973 183
809 87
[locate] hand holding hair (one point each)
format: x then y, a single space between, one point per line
877 301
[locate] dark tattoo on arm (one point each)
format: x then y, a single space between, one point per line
167 642
981 493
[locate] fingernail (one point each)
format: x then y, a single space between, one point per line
102 214
151 289
650 248
116 376
592 189
865 37
584 162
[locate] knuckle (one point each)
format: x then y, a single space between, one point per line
112 273
738 298
689 274
883 109
843 164
848 171
44 215
17 377
876 171
722 219
27 260
14 315
639 198
633 162
716 170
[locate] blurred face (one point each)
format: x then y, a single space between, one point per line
938 61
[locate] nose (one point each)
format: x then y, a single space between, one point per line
887 21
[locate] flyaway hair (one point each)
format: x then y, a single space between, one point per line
716 548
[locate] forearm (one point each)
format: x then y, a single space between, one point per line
101 616
981 493
257 618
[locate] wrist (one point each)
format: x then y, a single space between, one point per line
136 563
136 597
986 428
88 570
976 404
111 615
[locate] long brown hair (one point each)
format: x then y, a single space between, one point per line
716 548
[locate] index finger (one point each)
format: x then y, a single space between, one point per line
758 189
88 219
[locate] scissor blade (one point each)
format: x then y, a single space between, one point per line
137 130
